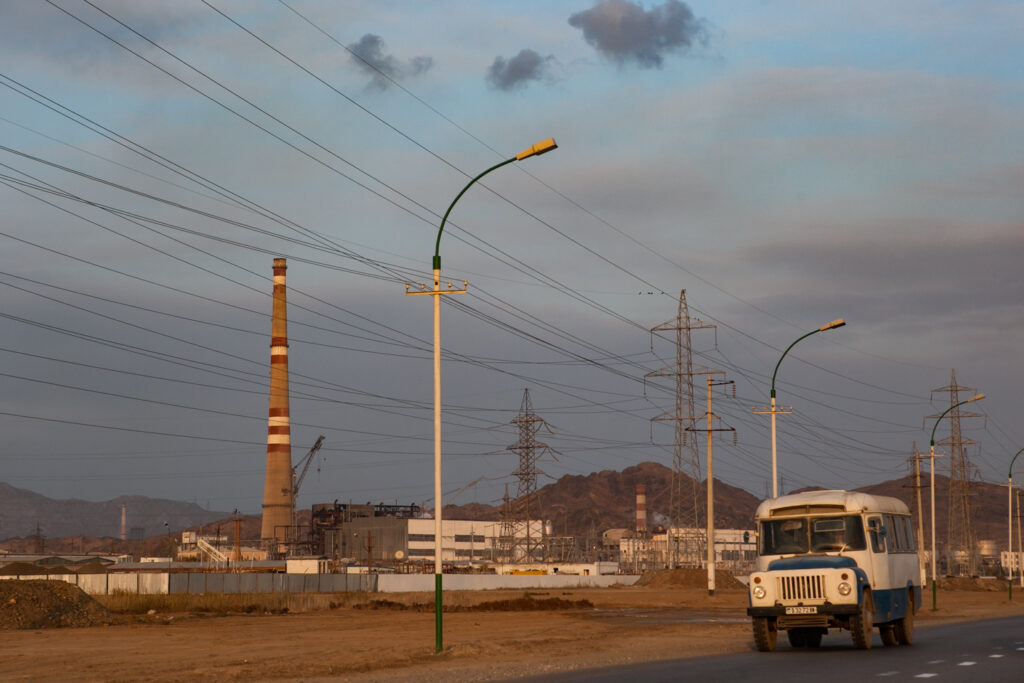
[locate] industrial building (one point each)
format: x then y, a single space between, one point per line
735 550
389 535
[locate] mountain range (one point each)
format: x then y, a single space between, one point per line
583 506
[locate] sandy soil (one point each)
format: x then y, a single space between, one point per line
357 643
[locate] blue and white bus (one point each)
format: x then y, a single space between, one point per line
834 559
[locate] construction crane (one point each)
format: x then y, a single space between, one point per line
297 478
459 492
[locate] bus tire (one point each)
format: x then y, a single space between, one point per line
905 626
812 637
888 633
860 623
797 637
765 635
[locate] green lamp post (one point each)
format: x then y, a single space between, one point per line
536 150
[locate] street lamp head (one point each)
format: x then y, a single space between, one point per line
542 147
976 398
839 322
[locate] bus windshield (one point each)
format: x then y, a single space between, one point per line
797 535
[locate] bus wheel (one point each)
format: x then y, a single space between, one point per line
813 637
765 634
797 637
888 633
860 624
905 626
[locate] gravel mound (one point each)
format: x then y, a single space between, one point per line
32 604
959 583
689 578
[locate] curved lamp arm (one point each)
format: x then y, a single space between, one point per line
1009 475
830 326
536 150
970 400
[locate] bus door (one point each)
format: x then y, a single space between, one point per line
879 542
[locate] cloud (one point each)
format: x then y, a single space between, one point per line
383 68
625 32
519 70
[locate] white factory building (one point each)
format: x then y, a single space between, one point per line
735 550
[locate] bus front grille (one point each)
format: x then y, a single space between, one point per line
801 588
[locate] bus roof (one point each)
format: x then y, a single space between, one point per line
828 502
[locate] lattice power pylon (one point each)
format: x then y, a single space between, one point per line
961 549
525 540
686 506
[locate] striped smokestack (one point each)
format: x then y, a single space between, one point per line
641 509
277 491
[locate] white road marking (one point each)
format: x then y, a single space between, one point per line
926 675
968 663
937 661
888 673
995 656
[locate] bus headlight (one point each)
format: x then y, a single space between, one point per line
845 588
759 592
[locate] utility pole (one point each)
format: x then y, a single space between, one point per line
711 476
684 499
1020 548
920 514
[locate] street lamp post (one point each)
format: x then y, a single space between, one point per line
1009 520
773 411
436 293
931 446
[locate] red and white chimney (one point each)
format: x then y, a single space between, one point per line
641 509
277 491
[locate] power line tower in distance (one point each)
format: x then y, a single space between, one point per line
686 507
961 549
525 541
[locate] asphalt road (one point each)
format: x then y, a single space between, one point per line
990 651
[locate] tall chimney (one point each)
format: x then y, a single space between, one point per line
124 520
641 510
277 490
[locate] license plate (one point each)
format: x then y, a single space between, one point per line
802 610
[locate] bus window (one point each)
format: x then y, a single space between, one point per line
837 533
911 540
877 534
783 536
894 531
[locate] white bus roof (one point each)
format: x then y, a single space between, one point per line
828 502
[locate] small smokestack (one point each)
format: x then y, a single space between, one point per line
641 509
277 490
124 522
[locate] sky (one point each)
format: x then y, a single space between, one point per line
784 163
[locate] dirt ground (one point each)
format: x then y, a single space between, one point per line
666 617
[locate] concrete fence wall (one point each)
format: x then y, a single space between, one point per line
106 584
196 582
402 583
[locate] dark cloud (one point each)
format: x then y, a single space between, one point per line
625 32
518 71
383 68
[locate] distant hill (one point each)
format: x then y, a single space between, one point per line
21 511
587 505
988 505
583 506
